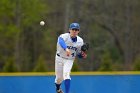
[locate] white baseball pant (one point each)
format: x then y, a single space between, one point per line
62 69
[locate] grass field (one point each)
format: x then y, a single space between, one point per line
73 73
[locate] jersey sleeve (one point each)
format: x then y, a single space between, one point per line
62 43
64 36
61 40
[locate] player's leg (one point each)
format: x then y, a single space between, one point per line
58 73
66 72
67 85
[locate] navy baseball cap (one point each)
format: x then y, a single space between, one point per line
74 26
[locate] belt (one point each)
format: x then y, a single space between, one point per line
61 56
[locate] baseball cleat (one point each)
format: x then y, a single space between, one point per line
59 91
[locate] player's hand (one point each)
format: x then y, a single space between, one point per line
84 55
68 52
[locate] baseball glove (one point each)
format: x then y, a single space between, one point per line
85 47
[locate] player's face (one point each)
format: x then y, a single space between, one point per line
74 32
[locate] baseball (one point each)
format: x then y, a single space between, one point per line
42 23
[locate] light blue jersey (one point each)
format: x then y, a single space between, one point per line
74 47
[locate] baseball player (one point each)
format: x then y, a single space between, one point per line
68 47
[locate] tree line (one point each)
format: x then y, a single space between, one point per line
110 27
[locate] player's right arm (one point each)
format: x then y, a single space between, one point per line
63 45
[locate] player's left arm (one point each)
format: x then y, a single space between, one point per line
82 55
83 51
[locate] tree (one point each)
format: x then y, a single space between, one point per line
10 66
106 63
136 65
40 66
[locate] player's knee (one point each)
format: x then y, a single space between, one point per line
59 80
67 75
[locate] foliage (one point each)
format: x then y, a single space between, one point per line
106 63
40 66
75 67
112 30
137 64
10 66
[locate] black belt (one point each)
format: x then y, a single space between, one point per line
61 56
58 55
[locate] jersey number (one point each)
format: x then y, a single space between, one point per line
72 54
